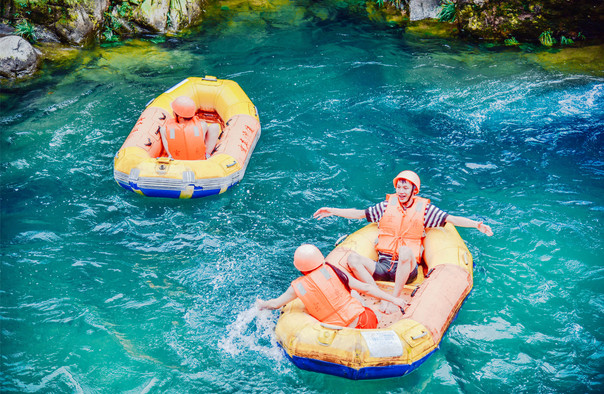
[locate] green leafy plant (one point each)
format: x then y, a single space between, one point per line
447 11
124 9
109 36
566 41
511 42
546 38
111 25
112 22
158 39
26 30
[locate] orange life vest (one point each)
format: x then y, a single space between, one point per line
186 141
399 226
326 298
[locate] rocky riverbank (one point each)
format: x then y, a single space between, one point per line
49 25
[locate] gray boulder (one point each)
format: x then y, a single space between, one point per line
423 9
165 15
17 57
83 21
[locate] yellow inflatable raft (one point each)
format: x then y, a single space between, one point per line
142 166
402 341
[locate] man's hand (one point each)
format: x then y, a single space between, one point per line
483 228
322 213
262 304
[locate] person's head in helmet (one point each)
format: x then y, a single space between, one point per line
407 185
307 258
184 107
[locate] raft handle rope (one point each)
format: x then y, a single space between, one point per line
414 291
339 241
164 140
232 164
331 326
429 272
423 334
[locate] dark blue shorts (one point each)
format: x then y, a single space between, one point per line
385 270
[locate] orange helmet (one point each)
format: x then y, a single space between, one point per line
308 257
408 176
184 106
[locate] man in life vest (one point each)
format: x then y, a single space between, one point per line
186 137
325 291
402 219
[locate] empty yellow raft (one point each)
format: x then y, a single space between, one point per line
142 166
402 341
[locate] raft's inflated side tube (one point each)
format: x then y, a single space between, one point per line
399 348
142 166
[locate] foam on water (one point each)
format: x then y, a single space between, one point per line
253 330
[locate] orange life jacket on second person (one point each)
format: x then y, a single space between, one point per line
186 141
326 298
399 226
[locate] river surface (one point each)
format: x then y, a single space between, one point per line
106 291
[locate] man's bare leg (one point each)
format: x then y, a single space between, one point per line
362 267
406 260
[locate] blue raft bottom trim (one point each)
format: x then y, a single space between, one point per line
383 372
197 191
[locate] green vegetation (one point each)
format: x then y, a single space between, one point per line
447 12
26 30
511 42
566 41
30 4
120 12
546 38
398 4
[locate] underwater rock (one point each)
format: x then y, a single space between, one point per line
17 57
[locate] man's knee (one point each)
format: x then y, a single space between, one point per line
214 129
355 261
405 254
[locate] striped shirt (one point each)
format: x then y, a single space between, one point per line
434 217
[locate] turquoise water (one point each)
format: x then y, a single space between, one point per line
105 291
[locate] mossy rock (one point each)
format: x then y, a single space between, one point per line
500 19
431 28
585 60
75 22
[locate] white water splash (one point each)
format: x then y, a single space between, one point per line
250 331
